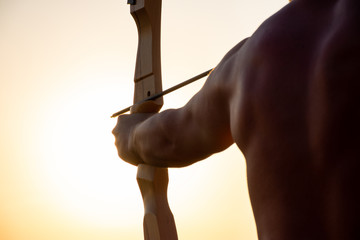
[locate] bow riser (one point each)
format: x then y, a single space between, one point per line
148 82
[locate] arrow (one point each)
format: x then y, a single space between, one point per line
169 90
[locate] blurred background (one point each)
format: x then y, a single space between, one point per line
65 67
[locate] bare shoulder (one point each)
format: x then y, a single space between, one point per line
259 70
285 60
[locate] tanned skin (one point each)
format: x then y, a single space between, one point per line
289 98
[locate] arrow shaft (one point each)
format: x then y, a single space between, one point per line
169 90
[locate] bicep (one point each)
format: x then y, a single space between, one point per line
207 115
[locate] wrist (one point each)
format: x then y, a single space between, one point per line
133 146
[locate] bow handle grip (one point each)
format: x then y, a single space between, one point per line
159 223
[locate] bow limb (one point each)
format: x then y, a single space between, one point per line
159 222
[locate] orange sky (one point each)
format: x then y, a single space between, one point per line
65 67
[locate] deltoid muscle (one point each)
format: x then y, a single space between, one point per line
159 222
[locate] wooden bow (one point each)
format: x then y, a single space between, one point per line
159 222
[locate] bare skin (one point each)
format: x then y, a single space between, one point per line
289 98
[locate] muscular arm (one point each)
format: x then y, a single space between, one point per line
180 137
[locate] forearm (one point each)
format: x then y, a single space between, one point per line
163 140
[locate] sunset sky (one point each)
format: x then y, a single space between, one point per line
65 67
